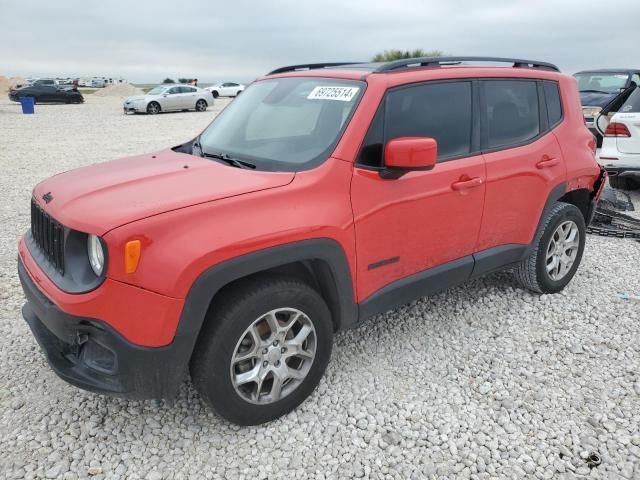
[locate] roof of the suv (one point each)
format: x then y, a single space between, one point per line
412 63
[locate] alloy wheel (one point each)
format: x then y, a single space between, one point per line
273 356
562 250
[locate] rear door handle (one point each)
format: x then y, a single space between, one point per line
470 183
547 162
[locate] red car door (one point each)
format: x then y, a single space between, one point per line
424 219
523 160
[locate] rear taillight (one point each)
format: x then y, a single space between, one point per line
617 130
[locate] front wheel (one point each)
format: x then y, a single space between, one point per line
215 94
557 251
201 106
153 108
263 349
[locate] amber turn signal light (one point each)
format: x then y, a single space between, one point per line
131 255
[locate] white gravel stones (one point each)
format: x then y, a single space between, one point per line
483 381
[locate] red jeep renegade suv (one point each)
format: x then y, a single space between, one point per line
322 195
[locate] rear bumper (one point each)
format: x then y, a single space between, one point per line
598 187
89 354
629 172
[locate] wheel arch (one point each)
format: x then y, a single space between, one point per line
321 262
580 198
146 107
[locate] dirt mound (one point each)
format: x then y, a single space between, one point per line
6 83
118 90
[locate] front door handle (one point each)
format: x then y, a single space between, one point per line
547 162
469 183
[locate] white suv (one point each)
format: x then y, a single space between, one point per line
620 153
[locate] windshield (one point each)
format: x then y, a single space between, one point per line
602 82
156 91
284 123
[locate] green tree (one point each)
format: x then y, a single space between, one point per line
395 54
168 80
185 80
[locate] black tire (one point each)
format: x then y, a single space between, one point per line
215 94
227 321
623 183
238 93
153 108
201 105
532 272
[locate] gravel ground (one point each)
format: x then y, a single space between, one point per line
483 381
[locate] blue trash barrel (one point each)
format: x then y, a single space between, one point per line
27 104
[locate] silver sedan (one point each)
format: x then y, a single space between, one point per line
169 98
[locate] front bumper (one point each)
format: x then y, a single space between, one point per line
89 354
131 108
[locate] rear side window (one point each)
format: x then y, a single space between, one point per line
511 112
438 110
554 106
632 105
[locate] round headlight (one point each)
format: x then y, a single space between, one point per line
96 254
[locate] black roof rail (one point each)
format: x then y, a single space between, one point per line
437 61
309 66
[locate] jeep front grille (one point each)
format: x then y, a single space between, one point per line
48 235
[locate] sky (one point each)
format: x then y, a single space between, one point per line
145 41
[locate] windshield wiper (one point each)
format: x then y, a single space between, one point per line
593 91
229 160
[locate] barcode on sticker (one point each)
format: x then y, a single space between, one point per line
343 94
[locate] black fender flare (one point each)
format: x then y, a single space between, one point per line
334 267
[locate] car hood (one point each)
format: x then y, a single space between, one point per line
594 99
101 197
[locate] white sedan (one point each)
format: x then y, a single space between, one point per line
227 89
167 98
620 152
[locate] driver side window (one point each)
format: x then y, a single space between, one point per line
438 110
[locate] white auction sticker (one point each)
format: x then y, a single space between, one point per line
343 94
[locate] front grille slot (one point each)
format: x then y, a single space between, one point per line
48 235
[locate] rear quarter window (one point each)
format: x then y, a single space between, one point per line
632 105
511 112
554 105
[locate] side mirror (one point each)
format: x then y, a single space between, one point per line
405 154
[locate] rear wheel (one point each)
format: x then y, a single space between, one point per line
201 106
623 183
557 251
263 349
153 108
